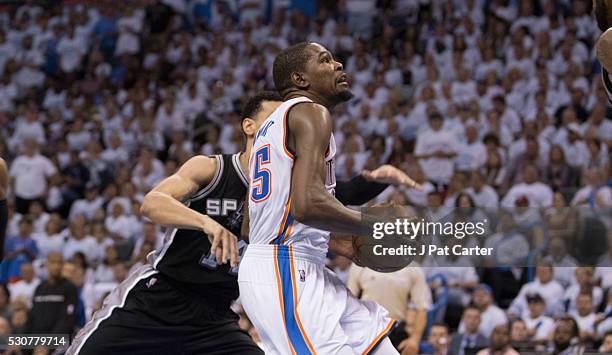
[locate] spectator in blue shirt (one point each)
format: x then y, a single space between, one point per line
18 249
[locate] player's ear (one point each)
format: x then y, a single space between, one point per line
249 126
300 80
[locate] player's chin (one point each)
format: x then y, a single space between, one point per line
344 95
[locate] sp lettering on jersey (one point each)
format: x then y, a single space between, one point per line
220 207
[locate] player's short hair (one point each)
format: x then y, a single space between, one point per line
253 104
288 61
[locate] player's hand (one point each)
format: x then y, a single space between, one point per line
224 245
388 174
409 346
345 245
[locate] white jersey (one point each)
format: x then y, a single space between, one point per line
270 169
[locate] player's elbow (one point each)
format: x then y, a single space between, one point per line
148 205
307 209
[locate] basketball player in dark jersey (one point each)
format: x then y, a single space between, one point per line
3 205
180 302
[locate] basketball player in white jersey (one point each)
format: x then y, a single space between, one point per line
294 302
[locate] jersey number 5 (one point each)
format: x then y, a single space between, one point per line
262 177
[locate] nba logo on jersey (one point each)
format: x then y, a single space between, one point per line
302 275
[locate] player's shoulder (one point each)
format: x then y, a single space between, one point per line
3 165
200 168
310 113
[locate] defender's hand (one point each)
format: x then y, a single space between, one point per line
224 245
388 174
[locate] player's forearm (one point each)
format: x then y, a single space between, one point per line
321 210
604 50
167 211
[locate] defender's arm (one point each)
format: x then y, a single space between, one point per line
163 205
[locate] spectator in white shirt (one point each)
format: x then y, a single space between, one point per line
38 216
576 151
584 316
148 172
484 196
598 125
508 116
537 194
87 206
103 240
490 315
539 326
79 240
595 193
30 173
50 240
546 287
472 154
118 224
585 283
24 288
115 151
28 127
436 149
563 263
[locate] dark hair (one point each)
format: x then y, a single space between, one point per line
440 324
253 105
288 61
25 220
575 329
464 194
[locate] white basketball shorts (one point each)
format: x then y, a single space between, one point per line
298 306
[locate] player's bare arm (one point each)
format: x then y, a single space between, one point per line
388 174
164 205
310 127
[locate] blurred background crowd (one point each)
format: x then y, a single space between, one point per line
488 104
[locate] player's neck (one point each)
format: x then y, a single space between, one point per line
244 160
313 96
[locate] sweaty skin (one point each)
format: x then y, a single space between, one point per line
310 127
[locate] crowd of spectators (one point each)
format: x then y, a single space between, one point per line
486 103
